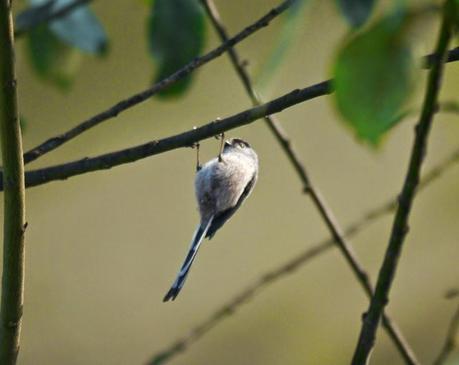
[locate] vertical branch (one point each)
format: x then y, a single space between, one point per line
14 196
314 193
406 197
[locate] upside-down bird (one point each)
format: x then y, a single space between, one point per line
221 186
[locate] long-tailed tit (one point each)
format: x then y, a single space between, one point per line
221 185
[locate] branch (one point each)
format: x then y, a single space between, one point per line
450 342
123 105
12 297
453 55
186 139
56 141
287 268
37 15
449 107
319 202
400 225
452 293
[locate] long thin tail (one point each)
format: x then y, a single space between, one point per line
185 269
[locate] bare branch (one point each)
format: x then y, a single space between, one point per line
452 293
453 55
400 225
451 339
290 266
449 107
138 98
56 141
319 202
121 106
37 15
186 139
12 298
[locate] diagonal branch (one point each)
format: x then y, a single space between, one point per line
452 56
287 268
56 141
451 341
37 15
138 98
186 139
12 298
400 225
318 200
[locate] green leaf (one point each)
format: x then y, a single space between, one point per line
80 28
356 12
176 32
286 37
52 60
373 78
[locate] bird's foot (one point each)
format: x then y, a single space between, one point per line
221 136
198 164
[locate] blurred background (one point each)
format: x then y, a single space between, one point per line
104 247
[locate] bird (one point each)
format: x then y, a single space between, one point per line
221 186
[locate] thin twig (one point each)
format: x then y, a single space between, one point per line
450 341
12 297
186 139
37 15
400 226
287 268
123 105
449 107
319 202
58 140
452 293
453 55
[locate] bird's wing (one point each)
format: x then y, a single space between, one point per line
220 219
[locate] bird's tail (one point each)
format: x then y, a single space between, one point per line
194 247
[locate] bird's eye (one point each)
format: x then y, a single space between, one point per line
242 145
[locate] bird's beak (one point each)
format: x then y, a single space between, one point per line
228 144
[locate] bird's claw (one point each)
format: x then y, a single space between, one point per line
221 136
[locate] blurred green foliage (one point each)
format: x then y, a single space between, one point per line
288 34
51 59
176 35
54 48
373 71
356 12
373 77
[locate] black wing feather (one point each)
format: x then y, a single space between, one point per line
220 219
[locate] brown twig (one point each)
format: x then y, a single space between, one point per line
109 160
138 98
58 140
287 268
317 199
450 341
452 56
186 139
400 226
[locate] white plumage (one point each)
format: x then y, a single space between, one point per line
221 187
